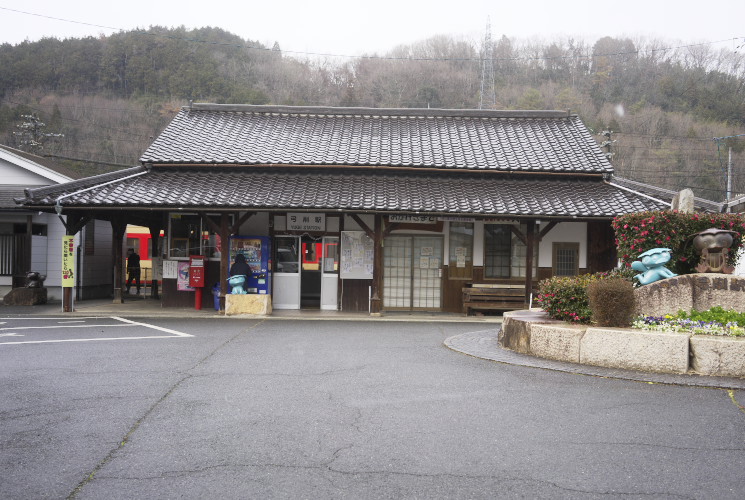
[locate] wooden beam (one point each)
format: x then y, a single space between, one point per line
224 232
390 228
212 225
376 302
156 243
546 229
119 227
364 226
237 224
529 260
520 236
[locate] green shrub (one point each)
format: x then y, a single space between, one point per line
565 297
638 232
611 302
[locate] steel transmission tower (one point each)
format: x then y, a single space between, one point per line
488 97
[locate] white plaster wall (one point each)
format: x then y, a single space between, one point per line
39 254
14 175
97 269
563 232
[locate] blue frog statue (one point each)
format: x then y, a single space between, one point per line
652 266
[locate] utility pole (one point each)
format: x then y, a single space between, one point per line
488 97
729 180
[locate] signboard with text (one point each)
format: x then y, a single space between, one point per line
306 222
68 261
412 219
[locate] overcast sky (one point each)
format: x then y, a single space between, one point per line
349 27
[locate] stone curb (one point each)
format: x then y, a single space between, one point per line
484 345
533 333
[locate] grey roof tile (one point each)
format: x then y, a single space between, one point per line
265 189
443 139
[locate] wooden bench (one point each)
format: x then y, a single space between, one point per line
493 297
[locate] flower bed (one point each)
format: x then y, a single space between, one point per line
715 321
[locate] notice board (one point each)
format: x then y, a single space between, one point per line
357 256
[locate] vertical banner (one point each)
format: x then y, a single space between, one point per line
68 261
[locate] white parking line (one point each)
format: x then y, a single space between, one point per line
174 333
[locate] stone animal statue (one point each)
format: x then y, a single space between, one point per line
651 265
35 280
237 282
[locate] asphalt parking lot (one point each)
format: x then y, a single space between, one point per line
201 408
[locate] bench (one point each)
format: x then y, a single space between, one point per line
493 297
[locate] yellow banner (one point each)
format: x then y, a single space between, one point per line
68 261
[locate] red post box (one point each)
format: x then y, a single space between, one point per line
196 278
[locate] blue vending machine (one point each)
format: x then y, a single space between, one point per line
258 253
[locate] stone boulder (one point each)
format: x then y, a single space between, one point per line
25 297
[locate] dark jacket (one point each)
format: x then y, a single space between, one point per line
133 261
240 266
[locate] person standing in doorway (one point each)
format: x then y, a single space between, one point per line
133 270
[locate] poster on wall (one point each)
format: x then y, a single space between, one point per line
170 269
68 261
357 255
182 281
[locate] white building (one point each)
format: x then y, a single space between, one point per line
32 241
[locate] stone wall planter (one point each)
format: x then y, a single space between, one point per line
690 291
532 332
723 356
635 350
248 304
559 342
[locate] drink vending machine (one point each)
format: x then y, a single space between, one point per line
258 253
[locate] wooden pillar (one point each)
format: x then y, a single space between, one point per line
376 303
530 245
224 257
339 281
119 227
156 242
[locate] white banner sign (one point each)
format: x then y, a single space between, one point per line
306 222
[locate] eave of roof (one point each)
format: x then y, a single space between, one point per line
664 195
225 189
40 165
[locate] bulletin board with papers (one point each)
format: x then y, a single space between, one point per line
357 255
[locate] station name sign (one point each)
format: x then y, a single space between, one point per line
306 222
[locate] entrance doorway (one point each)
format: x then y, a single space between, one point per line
412 273
310 273
307 272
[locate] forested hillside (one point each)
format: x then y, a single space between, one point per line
109 96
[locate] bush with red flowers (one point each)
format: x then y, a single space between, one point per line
638 232
565 297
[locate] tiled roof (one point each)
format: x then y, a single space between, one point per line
7 194
519 141
290 189
43 161
666 195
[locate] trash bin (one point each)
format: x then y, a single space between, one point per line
216 295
